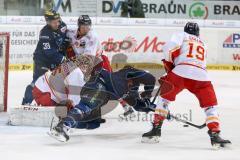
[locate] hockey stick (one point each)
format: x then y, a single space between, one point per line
178 119
186 122
155 97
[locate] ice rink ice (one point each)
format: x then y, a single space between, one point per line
120 140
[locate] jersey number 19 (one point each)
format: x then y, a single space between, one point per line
199 52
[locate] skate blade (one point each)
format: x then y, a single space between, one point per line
151 140
221 146
58 137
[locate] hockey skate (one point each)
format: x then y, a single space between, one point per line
216 141
152 136
59 132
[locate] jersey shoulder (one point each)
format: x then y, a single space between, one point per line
45 33
178 38
71 33
63 27
91 35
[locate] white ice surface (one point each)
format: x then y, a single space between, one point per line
121 140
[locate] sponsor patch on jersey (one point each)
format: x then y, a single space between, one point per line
44 37
232 41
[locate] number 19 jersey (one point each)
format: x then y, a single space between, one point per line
188 54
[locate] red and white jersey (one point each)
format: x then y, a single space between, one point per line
88 44
62 86
188 54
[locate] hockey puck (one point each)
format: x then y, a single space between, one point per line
185 125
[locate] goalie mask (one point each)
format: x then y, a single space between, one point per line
85 63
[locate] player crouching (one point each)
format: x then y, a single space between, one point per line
62 84
185 63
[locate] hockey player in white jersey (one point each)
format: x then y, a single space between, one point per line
185 63
84 40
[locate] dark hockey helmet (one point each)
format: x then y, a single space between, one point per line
192 28
51 15
84 20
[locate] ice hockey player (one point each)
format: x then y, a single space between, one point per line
84 40
61 86
103 87
185 64
50 50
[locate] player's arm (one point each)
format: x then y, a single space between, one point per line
74 81
50 48
148 80
171 50
71 49
91 46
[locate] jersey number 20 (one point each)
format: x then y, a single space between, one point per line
199 54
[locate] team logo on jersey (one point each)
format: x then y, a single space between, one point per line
232 41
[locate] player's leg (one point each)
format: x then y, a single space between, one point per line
160 115
170 85
93 96
37 72
205 93
42 99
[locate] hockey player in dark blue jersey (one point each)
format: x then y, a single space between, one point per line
50 50
101 88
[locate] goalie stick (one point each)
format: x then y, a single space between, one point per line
178 119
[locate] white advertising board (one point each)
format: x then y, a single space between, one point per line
139 43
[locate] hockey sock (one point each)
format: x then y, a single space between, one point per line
212 119
77 114
161 112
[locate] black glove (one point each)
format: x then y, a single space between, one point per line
144 105
149 104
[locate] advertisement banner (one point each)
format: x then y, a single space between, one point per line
76 7
23 40
131 44
184 9
165 9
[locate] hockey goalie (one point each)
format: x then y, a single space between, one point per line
185 63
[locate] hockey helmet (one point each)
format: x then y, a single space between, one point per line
84 20
192 28
51 15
